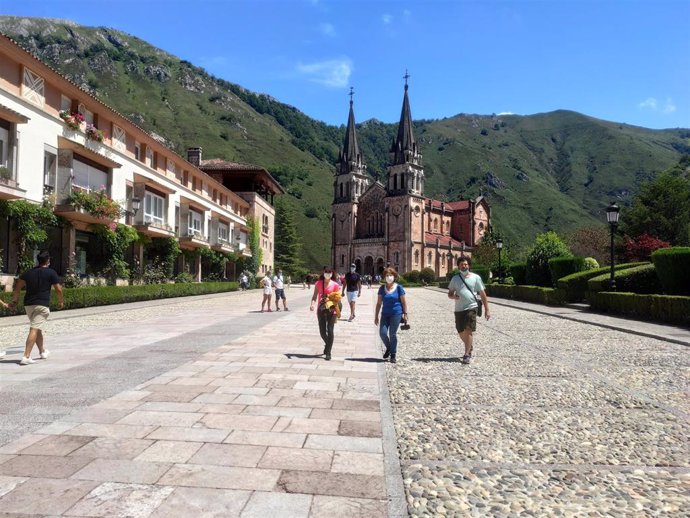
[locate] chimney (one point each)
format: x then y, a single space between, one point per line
194 156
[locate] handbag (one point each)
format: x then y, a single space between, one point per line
479 302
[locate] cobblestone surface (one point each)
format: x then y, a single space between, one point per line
552 417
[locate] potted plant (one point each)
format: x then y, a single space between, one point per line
5 173
93 133
72 120
96 203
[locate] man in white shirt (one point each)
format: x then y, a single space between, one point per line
466 306
280 291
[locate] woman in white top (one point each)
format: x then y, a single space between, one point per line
267 284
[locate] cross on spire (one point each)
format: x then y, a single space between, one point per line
351 94
406 77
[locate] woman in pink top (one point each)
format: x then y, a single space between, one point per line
322 288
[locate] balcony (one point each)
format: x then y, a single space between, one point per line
89 206
9 189
154 229
192 239
223 246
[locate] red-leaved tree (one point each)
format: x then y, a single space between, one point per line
641 248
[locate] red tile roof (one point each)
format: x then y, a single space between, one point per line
444 240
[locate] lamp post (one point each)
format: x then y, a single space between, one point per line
499 245
612 212
136 205
450 260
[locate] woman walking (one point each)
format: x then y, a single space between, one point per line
392 299
267 286
326 316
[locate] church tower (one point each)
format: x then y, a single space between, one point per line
349 184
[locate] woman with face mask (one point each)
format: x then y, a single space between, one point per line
392 300
322 288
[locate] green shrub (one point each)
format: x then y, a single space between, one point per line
88 296
482 271
575 284
639 279
546 246
183 278
412 276
428 275
519 273
664 308
590 263
562 266
673 268
535 294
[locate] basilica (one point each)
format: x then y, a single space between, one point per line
375 225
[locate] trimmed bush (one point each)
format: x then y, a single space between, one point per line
562 266
535 294
104 295
663 308
575 284
673 268
546 246
428 275
639 279
590 264
519 273
412 276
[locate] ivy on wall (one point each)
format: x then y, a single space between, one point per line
30 222
254 262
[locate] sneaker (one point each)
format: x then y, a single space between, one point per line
387 353
352 317
44 355
270 310
328 357
466 359
393 360
26 361
286 309
277 309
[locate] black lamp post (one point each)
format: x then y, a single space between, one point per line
136 205
499 245
612 212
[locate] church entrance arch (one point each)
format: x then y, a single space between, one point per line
358 265
368 265
379 265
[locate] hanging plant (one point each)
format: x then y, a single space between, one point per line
93 133
73 120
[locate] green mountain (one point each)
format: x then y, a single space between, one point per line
552 171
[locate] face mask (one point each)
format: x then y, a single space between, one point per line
353 270
464 270
327 276
390 279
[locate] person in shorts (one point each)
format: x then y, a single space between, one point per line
38 282
267 289
466 304
353 285
279 286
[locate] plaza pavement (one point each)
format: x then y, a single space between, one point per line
203 406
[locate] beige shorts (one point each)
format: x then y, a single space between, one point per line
38 316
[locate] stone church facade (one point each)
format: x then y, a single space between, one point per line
376 224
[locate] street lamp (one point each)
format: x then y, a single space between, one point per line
136 205
499 245
612 212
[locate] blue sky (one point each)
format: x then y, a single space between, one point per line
623 61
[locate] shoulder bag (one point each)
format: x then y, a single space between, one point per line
479 302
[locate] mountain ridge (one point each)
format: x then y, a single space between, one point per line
553 170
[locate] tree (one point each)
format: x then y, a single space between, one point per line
590 242
254 262
287 246
546 246
662 207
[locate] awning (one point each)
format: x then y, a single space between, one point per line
12 116
152 183
65 143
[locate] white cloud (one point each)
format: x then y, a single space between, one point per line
650 103
334 73
669 106
387 19
505 113
327 29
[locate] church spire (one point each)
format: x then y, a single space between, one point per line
350 146
405 143
350 171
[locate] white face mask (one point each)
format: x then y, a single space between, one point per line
464 270
390 279
353 270
327 276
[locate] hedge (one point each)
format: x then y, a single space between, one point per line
673 268
639 279
103 295
575 284
536 294
519 273
562 266
670 309
482 271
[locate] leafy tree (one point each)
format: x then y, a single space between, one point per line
662 207
287 245
546 246
641 248
592 242
486 254
253 263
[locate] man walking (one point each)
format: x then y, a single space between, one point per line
279 285
38 281
463 289
353 285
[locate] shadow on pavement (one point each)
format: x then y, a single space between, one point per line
366 360
298 355
452 359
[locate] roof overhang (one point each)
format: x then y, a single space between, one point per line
65 143
12 116
150 182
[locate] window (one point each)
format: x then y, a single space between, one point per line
177 220
137 151
149 157
88 115
342 259
89 177
223 232
416 257
49 169
154 208
185 178
435 225
65 103
215 196
4 144
443 259
194 183
428 263
194 222
396 257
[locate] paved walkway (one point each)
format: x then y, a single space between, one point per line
204 406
